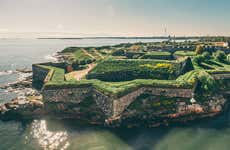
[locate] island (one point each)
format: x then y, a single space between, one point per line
129 85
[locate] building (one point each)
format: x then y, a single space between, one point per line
221 44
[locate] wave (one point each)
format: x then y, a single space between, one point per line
51 57
7 72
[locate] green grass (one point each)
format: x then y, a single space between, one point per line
127 64
188 78
213 66
115 89
157 55
143 72
56 74
129 69
81 55
118 89
77 54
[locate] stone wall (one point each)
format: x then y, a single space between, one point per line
122 103
104 102
75 95
110 106
39 76
170 92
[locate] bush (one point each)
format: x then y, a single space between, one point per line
119 52
206 82
198 59
220 56
206 55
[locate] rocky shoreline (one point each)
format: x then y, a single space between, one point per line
27 103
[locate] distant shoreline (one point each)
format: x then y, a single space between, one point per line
160 37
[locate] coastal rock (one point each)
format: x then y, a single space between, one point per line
24 70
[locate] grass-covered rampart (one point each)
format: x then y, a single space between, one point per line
130 69
118 77
158 55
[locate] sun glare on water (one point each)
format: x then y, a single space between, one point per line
49 140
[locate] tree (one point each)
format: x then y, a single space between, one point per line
199 50
220 56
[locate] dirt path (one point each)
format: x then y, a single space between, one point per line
99 54
86 53
78 75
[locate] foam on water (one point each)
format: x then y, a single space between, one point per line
51 57
7 72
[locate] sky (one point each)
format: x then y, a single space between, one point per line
115 17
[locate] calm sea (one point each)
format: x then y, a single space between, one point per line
212 134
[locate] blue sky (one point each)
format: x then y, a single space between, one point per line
116 17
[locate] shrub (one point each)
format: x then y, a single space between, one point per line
220 56
119 52
198 59
206 55
207 82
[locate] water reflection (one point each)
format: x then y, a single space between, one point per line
52 134
55 134
48 140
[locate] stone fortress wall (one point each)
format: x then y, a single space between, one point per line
39 76
111 106
119 105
